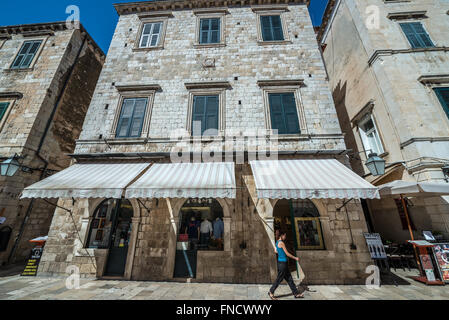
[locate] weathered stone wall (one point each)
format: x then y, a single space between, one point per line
404 108
50 77
242 62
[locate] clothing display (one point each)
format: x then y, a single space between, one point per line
206 227
192 229
218 229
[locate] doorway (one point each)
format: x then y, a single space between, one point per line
111 228
283 222
200 228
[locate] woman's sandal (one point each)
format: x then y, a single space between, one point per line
299 296
272 296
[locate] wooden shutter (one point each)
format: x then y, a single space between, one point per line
205 111
290 113
209 30
26 54
416 35
443 96
284 115
125 118
272 28
3 108
138 117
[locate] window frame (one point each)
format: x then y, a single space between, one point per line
35 57
11 102
203 90
144 20
435 89
406 38
365 118
134 92
273 11
210 14
266 91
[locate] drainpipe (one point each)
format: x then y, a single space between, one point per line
41 143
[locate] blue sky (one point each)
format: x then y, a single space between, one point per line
97 16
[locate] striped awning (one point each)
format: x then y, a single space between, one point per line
309 179
87 181
186 180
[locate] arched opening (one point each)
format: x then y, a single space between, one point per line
200 228
110 228
300 220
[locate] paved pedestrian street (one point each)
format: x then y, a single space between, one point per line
40 288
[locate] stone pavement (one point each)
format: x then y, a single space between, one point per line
40 288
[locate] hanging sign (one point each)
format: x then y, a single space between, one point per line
441 253
375 246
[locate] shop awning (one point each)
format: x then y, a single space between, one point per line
87 181
186 180
309 179
414 189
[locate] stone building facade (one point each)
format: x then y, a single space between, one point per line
242 67
388 66
47 77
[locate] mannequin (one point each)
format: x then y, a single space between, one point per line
206 232
219 232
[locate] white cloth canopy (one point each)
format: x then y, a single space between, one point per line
87 181
414 189
309 179
186 180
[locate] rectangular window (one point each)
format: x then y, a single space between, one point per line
3 108
205 113
209 30
151 34
271 28
370 136
284 114
443 96
416 35
131 118
26 54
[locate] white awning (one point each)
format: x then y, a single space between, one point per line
87 181
186 180
309 179
414 189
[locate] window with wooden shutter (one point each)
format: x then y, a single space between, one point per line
3 108
209 30
283 112
131 118
26 54
271 27
151 34
416 35
443 96
206 113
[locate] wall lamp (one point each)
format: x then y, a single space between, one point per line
10 166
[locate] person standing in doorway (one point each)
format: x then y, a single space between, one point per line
283 271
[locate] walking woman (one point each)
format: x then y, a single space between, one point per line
283 271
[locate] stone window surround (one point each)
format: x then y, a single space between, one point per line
269 11
43 38
433 82
152 18
205 89
206 14
405 37
9 97
368 109
284 86
135 91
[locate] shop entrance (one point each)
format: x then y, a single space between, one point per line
200 227
111 229
283 222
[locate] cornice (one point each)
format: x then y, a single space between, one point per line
166 5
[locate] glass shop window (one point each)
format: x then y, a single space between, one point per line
101 225
201 225
309 235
